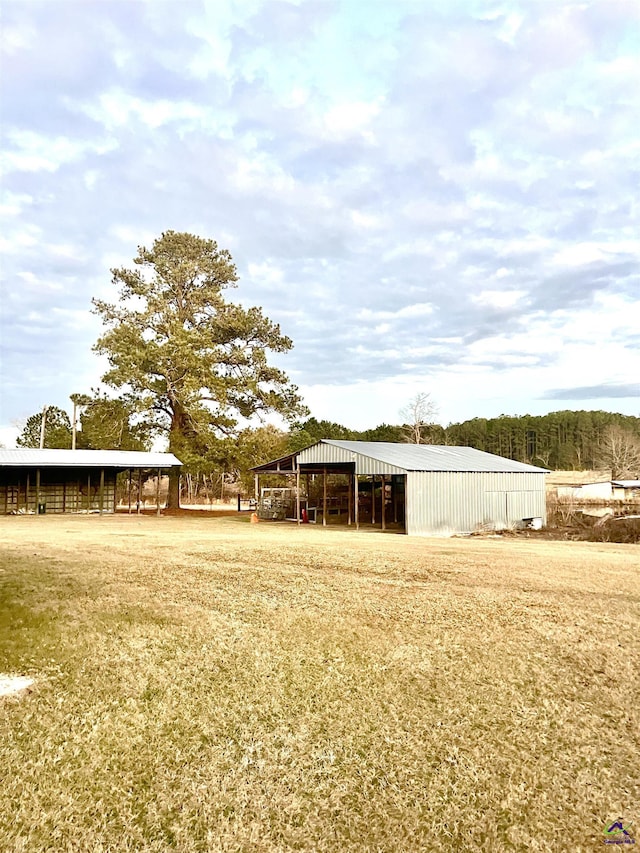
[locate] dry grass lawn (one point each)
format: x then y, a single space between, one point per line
212 685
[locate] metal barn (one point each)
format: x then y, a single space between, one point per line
67 481
433 490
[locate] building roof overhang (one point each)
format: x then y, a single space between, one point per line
54 458
381 458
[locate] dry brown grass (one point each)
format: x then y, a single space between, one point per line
211 685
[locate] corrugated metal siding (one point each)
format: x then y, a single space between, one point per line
332 454
33 458
444 503
369 467
324 453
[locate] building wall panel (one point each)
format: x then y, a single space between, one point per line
446 503
329 454
70 491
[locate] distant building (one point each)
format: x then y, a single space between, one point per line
580 485
67 481
626 490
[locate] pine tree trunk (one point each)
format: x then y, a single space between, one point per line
176 433
173 495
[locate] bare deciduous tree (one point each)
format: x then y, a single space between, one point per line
418 416
620 451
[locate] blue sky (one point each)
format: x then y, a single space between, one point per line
427 196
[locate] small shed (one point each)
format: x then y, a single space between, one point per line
580 485
67 481
626 490
433 489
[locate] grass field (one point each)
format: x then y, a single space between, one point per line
212 685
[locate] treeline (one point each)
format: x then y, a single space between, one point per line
563 440
191 368
560 440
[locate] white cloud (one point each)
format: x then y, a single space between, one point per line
34 152
16 39
390 180
117 108
132 237
366 221
346 118
17 240
8 436
589 252
13 204
419 309
498 298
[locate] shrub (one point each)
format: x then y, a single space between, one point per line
615 530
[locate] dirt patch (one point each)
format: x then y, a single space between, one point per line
12 684
185 512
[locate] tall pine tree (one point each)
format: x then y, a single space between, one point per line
196 362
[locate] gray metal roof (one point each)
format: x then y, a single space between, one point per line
424 457
627 484
32 458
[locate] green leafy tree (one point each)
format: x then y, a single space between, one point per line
57 430
383 432
255 446
305 433
196 362
110 424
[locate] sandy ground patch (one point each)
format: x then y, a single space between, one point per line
11 684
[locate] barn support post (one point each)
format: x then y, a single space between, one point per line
88 492
298 495
324 497
356 501
75 423
158 493
373 499
350 499
101 491
26 494
37 489
64 496
130 476
383 523
139 490
394 499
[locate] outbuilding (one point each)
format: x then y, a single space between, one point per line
626 490
66 481
580 485
431 490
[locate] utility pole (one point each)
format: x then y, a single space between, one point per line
42 426
79 401
73 425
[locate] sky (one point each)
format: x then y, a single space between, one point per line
428 197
